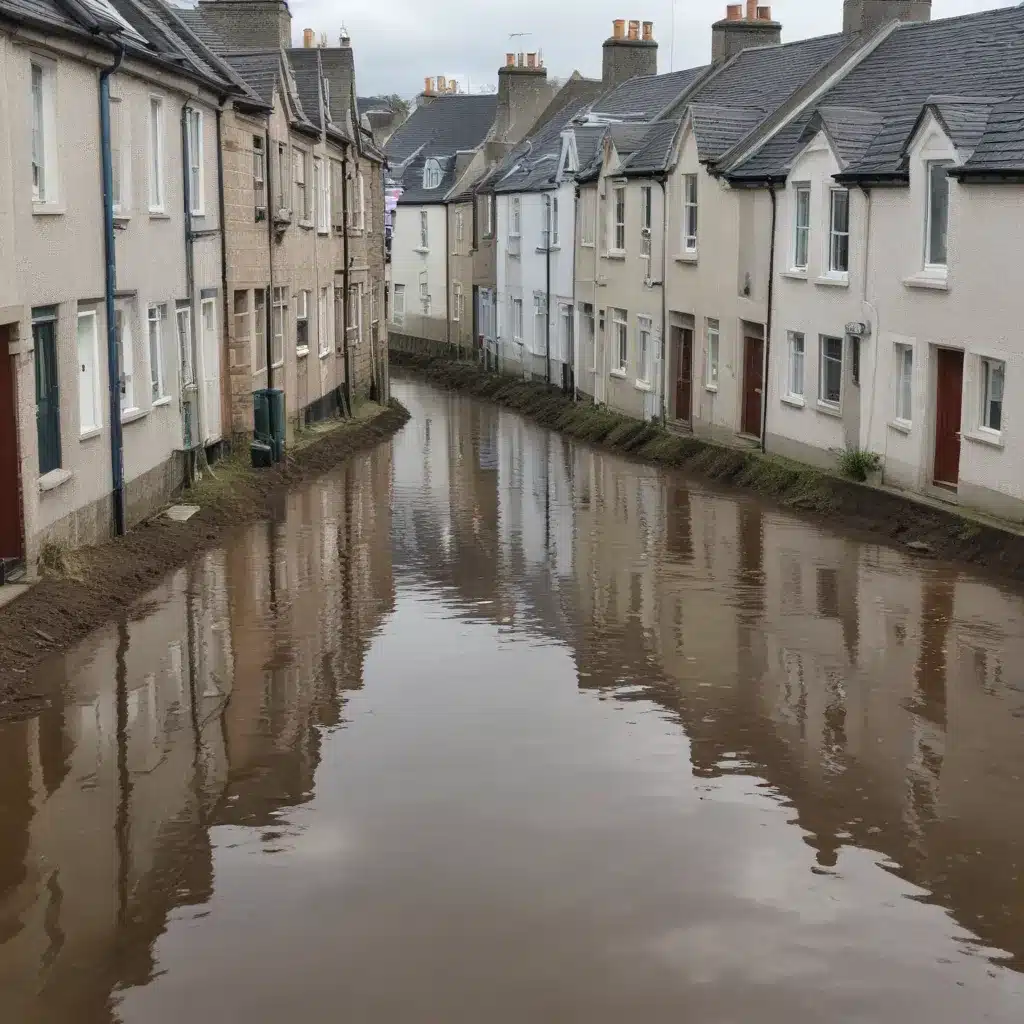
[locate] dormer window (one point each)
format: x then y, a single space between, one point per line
431 174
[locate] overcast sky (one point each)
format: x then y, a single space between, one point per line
398 42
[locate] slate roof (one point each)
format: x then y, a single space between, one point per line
972 57
412 180
718 128
306 70
645 97
202 28
654 151
260 69
1000 150
443 126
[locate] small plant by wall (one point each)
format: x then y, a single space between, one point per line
859 464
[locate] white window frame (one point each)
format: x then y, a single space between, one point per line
988 368
713 360
322 187
259 177
361 203
155 148
120 153
835 234
618 206
424 230
823 360
43 148
196 176
552 221
90 420
796 365
515 225
284 176
156 316
929 262
620 327
126 361
278 327
259 329
588 332
540 320
456 301
300 184
488 216
691 213
183 335
801 226
645 342
355 311
904 377
567 330
459 229
302 317
424 293
517 321
431 174
398 303
588 200
325 301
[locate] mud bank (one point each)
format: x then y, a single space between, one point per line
889 514
95 584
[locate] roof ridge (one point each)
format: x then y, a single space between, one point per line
1017 6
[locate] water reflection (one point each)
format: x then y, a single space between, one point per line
491 726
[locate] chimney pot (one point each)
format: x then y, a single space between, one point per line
531 60
307 38
764 14
634 30
440 83
618 28
428 86
510 60
734 12
751 10
520 60
648 31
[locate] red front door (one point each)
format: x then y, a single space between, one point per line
10 490
949 389
684 373
753 385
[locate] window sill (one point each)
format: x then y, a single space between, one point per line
615 254
617 374
421 249
323 231
794 400
132 416
121 220
54 479
550 248
277 365
928 280
642 385
159 215
324 355
197 213
828 409
713 388
587 245
834 281
301 353
990 438
165 400
795 275
900 426
687 257
88 435
48 210
306 225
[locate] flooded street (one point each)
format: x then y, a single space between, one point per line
489 727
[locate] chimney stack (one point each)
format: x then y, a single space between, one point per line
864 16
742 28
250 24
307 38
523 92
627 54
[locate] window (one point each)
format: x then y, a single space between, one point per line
259 330
644 353
323 322
839 232
302 322
194 135
938 215
488 205
801 225
795 383
44 340
208 334
279 314
587 201
361 202
830 371
183 325
904 383
540 320
424 232
44 132
566 339
259 177
457 301
240 322
587 332
458 230
322 188
621 328
645 224
125 356
355 311
515 225
689 213
119 156
551 221
156 154
299 159
712 330
155 323
992 374
282 178
619 219
424 293
399 304
431 174
517 320
337 194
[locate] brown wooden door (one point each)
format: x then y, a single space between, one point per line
10 491
753 385
684 373
949 388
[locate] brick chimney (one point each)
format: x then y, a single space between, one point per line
743 26
523 92
629 52
250 24
867 15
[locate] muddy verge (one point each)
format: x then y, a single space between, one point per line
899 518
95 584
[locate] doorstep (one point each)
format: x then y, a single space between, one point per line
11 591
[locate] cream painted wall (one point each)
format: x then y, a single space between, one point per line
408 261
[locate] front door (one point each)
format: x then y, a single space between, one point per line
683 341
753 385
949 388
10 491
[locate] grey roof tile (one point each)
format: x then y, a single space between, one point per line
412 180
645 97
1000 149
653 153
306 70
260 69
443 126
717 128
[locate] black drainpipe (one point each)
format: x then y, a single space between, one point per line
448 283
547 292
268 305
768 318
225 369
663 383
344 278
110 258
190 289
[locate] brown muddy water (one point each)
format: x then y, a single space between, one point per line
491 727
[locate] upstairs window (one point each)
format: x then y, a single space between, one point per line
619 218
194 134
795 375
424 233
282 178
431 174
587 200
646 212
488 204
550 221
801 225
259 178
937 216
514 225
839 232
44 132
120 156
689 213
301 192
156 154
